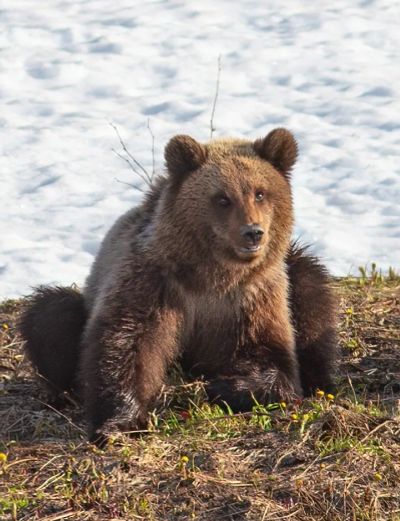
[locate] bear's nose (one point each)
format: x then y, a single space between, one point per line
252 232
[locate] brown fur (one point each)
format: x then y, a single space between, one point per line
279 149
52 325
181 276
314 310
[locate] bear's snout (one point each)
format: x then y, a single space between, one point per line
251 246
252 233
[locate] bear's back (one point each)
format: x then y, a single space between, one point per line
129 233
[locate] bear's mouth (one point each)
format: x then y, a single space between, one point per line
250 249
248 252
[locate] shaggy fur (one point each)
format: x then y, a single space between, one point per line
52 325
314 318
203 271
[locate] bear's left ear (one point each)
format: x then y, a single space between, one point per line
278 148
183 154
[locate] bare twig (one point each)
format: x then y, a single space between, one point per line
59 413
212 128
152 150
131 160
131 166
62 515
129 184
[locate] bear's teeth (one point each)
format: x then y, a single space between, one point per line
250 249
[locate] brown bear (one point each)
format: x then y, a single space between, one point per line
202 271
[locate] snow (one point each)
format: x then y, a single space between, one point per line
68 68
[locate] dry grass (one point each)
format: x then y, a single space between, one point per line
321 460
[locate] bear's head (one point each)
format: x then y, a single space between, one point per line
231 199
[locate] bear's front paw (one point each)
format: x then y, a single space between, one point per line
226 393
242 392
284 389
122 423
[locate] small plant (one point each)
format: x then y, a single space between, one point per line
261 416
14 502
375 277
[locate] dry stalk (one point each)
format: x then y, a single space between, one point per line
133 163
153 171
212 128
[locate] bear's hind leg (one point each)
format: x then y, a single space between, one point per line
314 314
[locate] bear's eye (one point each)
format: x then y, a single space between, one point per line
224 201
259 195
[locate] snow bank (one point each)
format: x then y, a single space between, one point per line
329 72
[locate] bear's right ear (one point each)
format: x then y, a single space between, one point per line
279 148
183 154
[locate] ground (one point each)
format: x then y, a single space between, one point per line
334 457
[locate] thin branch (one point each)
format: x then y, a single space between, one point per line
129 184
131 166
212 128
62 415
128 153
152 150
147 177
